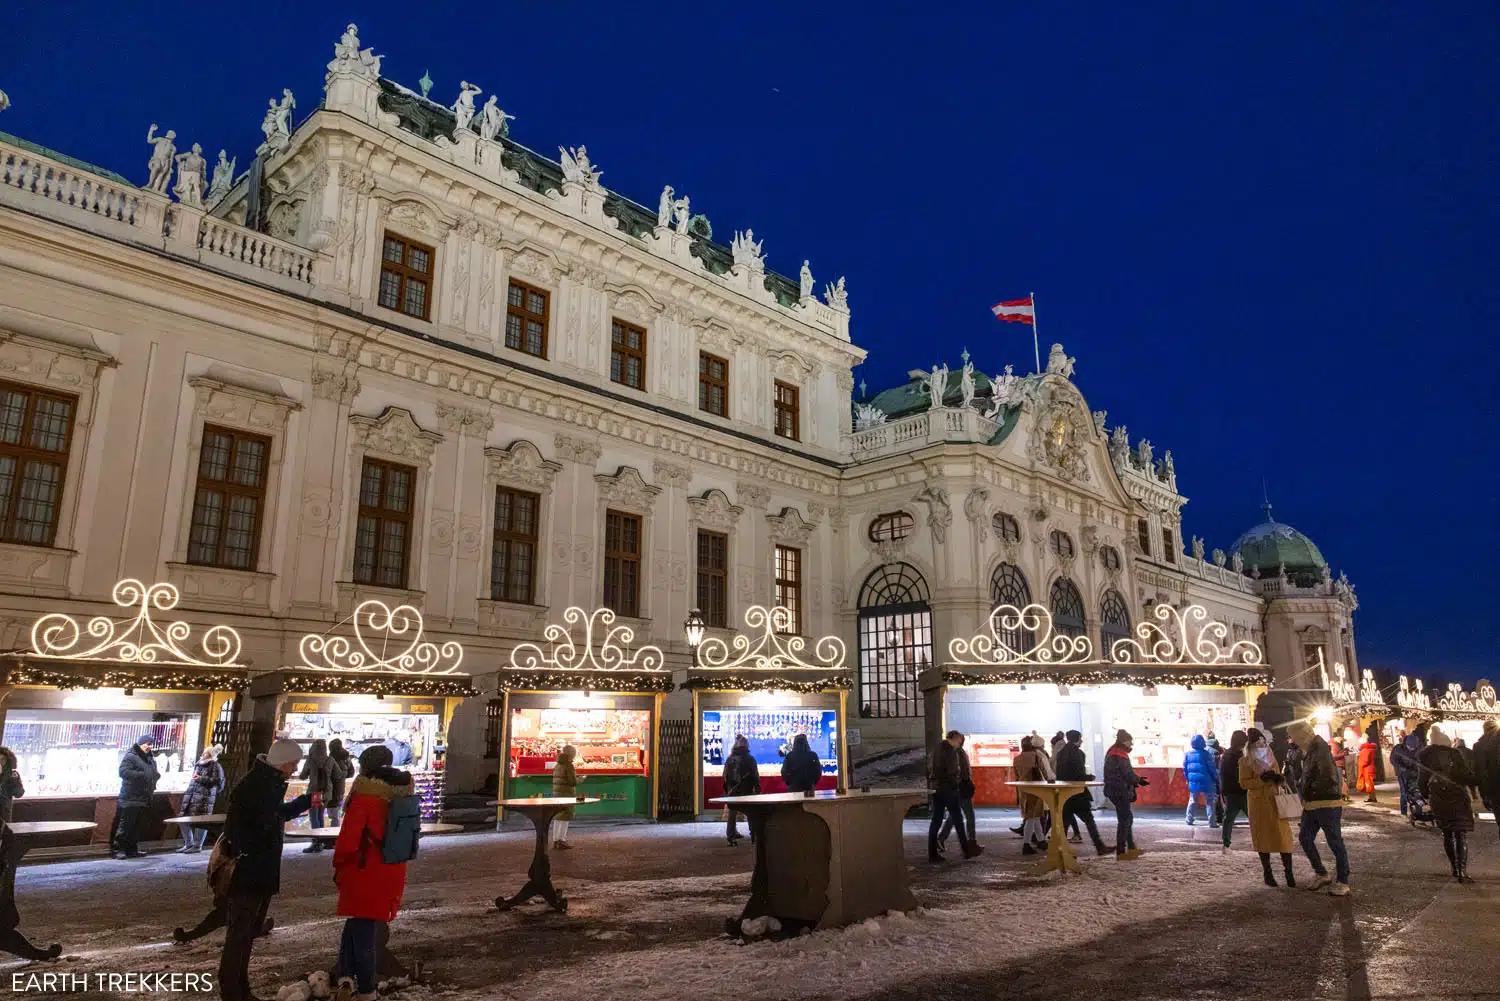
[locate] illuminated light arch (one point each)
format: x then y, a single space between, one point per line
139 640
774 649
604 647
376 624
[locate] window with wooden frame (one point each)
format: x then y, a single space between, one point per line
230 500
713 384
513 553
892 527
1062 544
526 312
713 578
1007 527
789 584
622 563
382 536
406 277
627 354
1168 545
36 431
1143 535
788 414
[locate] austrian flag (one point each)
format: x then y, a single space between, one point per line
1016 311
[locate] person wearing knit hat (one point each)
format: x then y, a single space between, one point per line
198 801
1120 785
138 779
1321 787
1444 780
253 830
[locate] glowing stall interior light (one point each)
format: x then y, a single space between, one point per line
385 639
138 640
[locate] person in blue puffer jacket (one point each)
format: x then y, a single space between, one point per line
1202 774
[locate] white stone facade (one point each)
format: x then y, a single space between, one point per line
162 319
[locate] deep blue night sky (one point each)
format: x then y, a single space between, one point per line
1269 238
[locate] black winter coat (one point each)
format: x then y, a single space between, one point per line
742 775
1229 773
947 767
340 768
138 777
1072 764
254 829
801 770
1321 779
1487 766
1444 780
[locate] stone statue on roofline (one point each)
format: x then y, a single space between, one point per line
1058 362
1119 446
867 415
223 178
1003 391
277 124
577 169
348 57
836 295
163 149
190 168
463 108
664 208
4 101
805 282
682 213
966 383
745 250
1143 452
937 386
493 121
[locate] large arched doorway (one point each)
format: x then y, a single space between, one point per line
895 640
1067 607
1114 621
1008 587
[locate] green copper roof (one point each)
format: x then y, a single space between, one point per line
73 162
1271 544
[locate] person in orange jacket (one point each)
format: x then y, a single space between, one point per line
1367 752
370 889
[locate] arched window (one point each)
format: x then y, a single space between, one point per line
895 640
1110 557
892 527
1062 544
1114 621
1008 587
1007 527
1067 607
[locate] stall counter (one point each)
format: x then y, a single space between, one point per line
619 795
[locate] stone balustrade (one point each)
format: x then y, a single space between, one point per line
951 424
256 251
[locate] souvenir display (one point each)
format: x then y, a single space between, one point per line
67 753
413 738
770 732
612 741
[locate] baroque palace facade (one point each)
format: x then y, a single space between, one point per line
438 369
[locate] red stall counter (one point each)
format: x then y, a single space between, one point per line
1168 786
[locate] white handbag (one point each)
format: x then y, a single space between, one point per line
1288 804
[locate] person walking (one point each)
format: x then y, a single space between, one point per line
340 770
370 888
1487 767
11 786
1322 808
1231 788
564 785
741 778
1218 752
1072 766
1443 780
1404 763
946 774
1202 776
253 832
1260 776
966 792
1033 765
138 778
317 770
203 788
1367 753
1120 785
801 769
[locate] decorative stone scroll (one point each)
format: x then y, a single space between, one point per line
139 640
385 639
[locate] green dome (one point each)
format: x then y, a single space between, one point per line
1271 544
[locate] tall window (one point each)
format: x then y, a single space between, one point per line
789 584
622 563
713 384
382 539
230 499
895 641
713 578
406 277
1168 545
526 320
1067 607
1007 527
1143 535
788 415
36 430
1008 587
627 355
1062 545
513 555
1114 621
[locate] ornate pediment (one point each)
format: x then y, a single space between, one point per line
791 366
789 527
521 465
633 303
627 490
240 406
413 215
396 434
714 511
1061 429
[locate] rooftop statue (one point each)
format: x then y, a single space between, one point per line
805 282
223 178
493 121
746 251
163 149
348 57
1168 468
1143 451
664 208
190 168
966 383
867 416
1004 389
463 108
577 169
1058 362
836 295
4 101
937 386
277 125
682 213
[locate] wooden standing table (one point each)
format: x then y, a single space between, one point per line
539 810
1055 794
829 859
15 841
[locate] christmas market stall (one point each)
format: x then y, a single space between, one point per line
383 683
1461 714
595 692
75 702
1178 677
762 685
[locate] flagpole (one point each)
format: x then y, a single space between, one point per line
1036 345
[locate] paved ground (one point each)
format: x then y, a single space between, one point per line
1183 922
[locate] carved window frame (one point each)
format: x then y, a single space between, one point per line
712 511
706 382
404 272
23 454
786 412
618 349
618 492
518 466
524 314
372 438
253 412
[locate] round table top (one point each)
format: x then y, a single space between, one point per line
1056 784
199 818
525 801
820 795
333 832
51 826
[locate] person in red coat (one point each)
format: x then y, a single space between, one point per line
369 889
1367 752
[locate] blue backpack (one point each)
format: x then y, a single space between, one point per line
403 827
